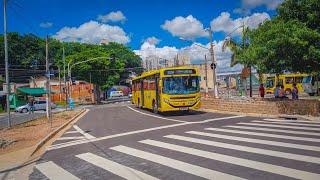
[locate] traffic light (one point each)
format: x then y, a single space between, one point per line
213 65
113 58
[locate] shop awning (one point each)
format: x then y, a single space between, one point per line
33 91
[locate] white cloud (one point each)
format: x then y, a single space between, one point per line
188 28
148 49
112 17
92 32
195 53
224 23
46 24
152 40
248 5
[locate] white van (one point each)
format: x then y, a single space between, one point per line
116 94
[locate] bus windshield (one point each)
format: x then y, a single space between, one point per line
306 79
269 83
181 85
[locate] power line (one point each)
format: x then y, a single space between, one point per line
11 5
61 28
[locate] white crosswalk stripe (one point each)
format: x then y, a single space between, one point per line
248 149
289 123
54 172
257 141
281 126
71 132
237 161
70 138
275 130
115 168
179 165
264 134
86 135
282 120
224 139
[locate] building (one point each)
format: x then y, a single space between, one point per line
183 59
225 80
81 90
152 63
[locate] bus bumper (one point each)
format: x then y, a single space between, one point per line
167 108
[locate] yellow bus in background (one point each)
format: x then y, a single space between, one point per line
286 80
167 89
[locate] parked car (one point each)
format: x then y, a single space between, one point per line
38 105
130 94
116 94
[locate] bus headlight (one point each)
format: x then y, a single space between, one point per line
166 101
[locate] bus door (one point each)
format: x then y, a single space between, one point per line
142 93
157 92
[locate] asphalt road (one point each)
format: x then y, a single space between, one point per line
120 141
18 118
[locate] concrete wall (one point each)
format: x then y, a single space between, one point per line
265 106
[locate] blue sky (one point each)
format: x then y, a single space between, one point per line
147 26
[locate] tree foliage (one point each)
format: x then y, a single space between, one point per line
289 41
23 49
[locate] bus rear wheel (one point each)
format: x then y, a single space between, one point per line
155 107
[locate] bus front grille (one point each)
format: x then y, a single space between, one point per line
185 97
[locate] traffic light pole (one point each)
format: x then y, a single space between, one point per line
64 78
48 102
215 88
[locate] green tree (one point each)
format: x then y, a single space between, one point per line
238 49
280 45
289 41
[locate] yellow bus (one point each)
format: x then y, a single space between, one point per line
286 80
167 89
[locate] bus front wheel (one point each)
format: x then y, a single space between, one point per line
155 107
288 91
139 104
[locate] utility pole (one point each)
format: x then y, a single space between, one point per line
60 90
215 88
64 78
90 89
49 115
206 70
6 59
250 79
70 80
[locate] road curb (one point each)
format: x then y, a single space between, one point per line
52 134
281 116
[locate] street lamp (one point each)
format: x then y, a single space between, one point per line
182 39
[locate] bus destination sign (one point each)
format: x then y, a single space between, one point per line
179 71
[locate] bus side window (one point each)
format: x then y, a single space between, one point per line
289 80
280 82
298 79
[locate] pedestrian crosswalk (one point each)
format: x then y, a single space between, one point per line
271 148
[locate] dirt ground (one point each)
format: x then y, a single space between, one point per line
30 133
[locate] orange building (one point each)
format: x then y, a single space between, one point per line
80 93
